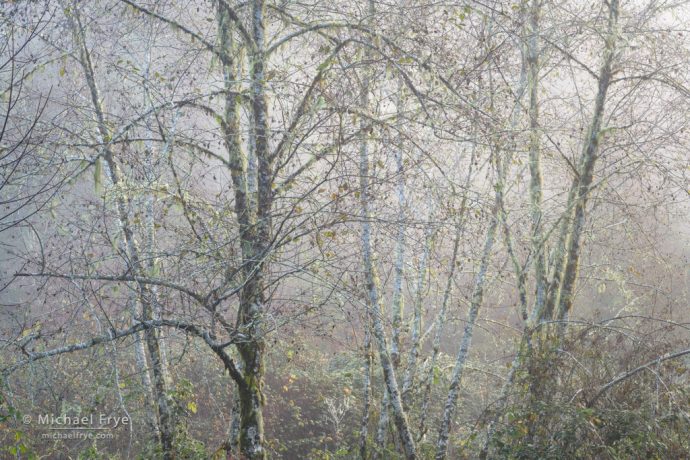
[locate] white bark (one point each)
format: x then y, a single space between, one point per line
397 297
372 282
146 295
416 333
397 303
461 360
374 307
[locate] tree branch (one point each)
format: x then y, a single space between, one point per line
124 278
629 374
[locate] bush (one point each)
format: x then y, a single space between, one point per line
555 411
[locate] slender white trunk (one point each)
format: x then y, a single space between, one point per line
397 303
148 249
438 333
372 283
374 307
477 299
441 318
461 360
142 368
416 333
234 434
366 391
253 211
146 296
397 297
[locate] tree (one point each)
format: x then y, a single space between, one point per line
324 230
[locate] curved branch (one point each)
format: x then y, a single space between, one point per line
114 334
627 375
176 25
307 29
125 278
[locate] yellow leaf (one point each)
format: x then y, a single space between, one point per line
191 405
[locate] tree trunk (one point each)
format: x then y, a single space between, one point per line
397 298
586 170
146 296
372 285
415 339
501 165
374 307
461 360
382 429
397 303
535 189
253 207
366 391
441 318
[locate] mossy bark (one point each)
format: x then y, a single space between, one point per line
560 299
